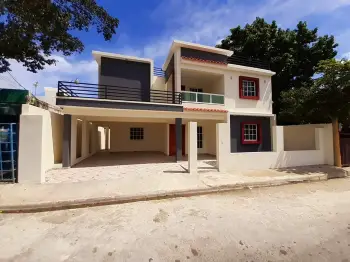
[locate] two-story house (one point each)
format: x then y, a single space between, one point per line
149 109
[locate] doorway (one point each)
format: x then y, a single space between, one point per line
172 140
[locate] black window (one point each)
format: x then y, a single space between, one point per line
136 133
199 137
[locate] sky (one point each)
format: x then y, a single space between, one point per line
147 29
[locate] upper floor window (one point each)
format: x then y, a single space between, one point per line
251 133
248 88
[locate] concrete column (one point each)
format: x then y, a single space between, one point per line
320 143
73 141
192 147
223 150
66 148
177 69
178 138
85 140
278 138
31 155
107 138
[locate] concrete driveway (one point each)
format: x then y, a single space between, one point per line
106 166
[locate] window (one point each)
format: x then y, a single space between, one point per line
136 133
199 137
251 133
198 90
249 88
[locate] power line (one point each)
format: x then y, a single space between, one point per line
17 81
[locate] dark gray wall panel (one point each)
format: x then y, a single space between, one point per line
128 74
170 69
67 122
197 54
178 138
236 134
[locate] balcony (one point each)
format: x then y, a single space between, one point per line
247 61
204 98
69 93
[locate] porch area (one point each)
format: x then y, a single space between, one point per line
143 167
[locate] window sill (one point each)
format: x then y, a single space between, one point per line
249 97
251 142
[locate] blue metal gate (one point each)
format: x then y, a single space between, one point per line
8 152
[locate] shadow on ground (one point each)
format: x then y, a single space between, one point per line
331 171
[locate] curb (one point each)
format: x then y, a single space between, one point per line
112 200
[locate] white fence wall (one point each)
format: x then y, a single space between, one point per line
279 158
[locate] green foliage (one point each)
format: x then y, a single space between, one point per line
31 30
293 54
327 99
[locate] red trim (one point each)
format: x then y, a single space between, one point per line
205 109
259 133
256 80
203 61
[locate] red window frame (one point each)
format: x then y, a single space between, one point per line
259 134
241 93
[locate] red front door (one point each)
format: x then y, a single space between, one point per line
172 140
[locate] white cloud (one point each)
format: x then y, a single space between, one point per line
346 56
207 22
199 21
63 70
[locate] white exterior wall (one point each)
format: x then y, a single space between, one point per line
236 104
209 137
50 95
40 143
230 84
155 137
159 83
279 158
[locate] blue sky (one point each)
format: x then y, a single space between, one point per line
147 29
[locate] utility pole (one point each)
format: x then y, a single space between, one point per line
36 84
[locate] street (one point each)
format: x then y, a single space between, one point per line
300 222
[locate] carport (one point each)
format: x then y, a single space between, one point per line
106 165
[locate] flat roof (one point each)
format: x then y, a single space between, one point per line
176 44
98 54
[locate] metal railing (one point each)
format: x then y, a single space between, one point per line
95 91
247 61
205 98
157 71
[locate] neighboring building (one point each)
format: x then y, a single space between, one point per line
148 108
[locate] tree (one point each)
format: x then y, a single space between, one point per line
31 30
293 54
328 99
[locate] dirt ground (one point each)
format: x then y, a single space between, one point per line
301 222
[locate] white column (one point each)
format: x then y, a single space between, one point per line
85 139
107 138
222 146
320 143
177 60
278 138
192 147
31 155
73 144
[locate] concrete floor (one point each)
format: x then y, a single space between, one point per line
301 222
106 166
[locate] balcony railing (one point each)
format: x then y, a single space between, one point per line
157 71
205 98
247 61
94 91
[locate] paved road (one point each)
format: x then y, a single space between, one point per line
302 222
